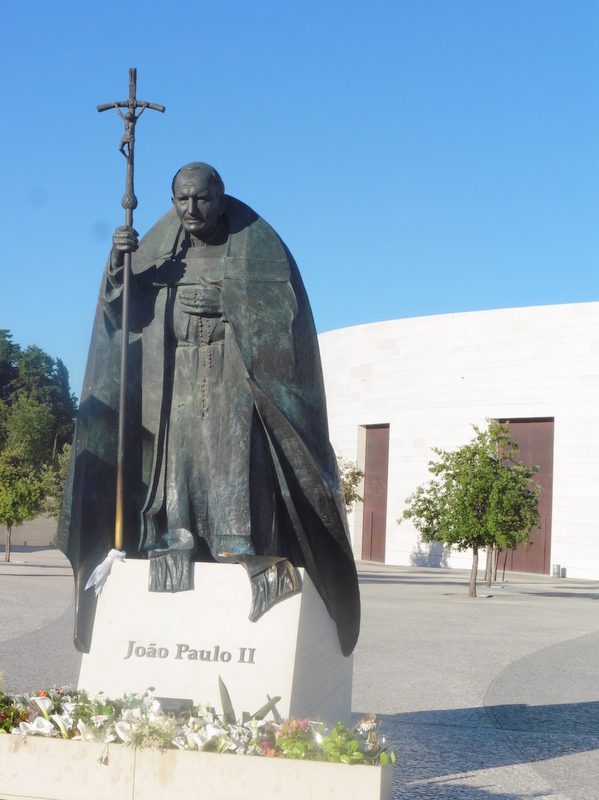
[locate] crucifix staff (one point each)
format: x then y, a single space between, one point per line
129 202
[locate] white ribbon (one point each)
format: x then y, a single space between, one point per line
102 571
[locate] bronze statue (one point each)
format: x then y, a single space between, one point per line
130 118
227 454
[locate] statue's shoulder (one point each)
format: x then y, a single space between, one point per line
159 241
251 235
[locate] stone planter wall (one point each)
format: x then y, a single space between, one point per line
52 769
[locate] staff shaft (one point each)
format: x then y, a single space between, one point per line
129 202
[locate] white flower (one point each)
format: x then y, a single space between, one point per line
254 726
213 729
85 734
180 743
154 707
123 729
98 719
195 741
40 725
239 733
44 704
64 722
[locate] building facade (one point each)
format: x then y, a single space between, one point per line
397 389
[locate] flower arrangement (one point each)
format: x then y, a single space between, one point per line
137 720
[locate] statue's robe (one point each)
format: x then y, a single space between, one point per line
274 483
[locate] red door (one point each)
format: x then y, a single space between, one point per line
374 527
534 438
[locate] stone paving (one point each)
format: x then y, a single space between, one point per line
493 698
483 699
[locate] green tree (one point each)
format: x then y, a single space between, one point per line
9 356
29 427
37 416
481 495
46 380
351 475
21 492
54 478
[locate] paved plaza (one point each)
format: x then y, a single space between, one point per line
494 698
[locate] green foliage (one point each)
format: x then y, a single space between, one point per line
54 477
481 495
294 739
229 713
137 720
28 426
37 417
9 355
21 490
351 475
341 746
11 713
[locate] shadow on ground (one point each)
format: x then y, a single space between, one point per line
442 754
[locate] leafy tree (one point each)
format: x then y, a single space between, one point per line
351 475
21 491
46 380
28 426
37 415
9 355
481 495
54 479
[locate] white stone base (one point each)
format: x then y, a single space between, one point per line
52 769
181 643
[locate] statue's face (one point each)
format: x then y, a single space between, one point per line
198 202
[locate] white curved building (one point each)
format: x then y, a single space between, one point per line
396 389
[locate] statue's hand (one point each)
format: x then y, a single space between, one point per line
124 240
203 300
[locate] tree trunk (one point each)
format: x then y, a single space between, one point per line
7 548
489 566
496 562
472 589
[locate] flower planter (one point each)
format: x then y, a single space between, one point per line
53 769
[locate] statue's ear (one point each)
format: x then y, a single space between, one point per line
223 203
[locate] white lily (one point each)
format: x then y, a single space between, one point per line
86 734
44 704
40 725
64 723
123 729
195 741
238 732
213 730
254 726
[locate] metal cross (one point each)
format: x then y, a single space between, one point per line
129 202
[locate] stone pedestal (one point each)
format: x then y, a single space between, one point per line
181 643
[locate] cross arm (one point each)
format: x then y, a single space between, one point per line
127 103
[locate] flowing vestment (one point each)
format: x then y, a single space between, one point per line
227 428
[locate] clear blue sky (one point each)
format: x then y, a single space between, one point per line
417 156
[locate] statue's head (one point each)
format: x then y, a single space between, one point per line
198 198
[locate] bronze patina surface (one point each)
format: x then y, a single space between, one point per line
227 454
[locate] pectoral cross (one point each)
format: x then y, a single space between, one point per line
129 202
